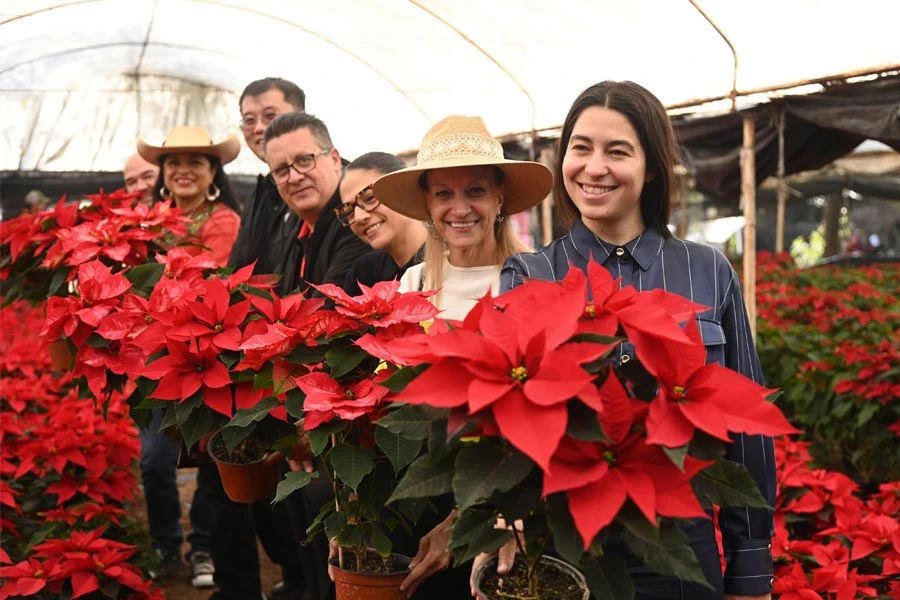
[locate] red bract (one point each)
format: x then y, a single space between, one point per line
874 533
215 320
695 395
381 305
28 577
186 370
326 398
523 373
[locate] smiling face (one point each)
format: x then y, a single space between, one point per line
306 194
257 112
604 171
464 203
188 176
378 228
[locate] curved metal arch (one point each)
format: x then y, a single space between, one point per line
486 54
113 45
734 90
330 42
47 9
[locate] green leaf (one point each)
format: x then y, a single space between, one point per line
59 278
263 380
607 577
380 541
866 413
413 508
294 402
352 463
245 416
669 554
399 380
483 468
199 423
292 482
482 540
425 478
184 409
411 421
318 440
334 524
566 538
110 589
341 361
677 455
728 483
400 450
232 436
145 277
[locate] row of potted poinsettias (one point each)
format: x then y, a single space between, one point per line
516 411
66 470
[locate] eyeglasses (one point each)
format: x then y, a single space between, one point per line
365 199
248 123
301 164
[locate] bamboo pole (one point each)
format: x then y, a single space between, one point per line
748 204
681 173
781 191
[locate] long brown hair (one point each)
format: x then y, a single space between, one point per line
651 122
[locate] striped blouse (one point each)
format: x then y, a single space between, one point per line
705 276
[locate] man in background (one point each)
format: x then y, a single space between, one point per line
140 176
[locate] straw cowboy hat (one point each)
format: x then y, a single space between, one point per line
463 142
190 139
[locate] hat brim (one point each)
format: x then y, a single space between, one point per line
526 184
226 151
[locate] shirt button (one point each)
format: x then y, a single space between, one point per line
625 358
620 251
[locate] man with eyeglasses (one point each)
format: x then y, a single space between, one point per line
267 228
307 169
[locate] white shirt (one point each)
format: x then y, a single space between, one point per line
463 287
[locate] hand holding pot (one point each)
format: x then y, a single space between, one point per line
506 555
434 555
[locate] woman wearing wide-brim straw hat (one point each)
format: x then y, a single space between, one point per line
463 189
191 175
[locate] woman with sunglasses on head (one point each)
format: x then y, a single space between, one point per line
613 184
397 240
191 175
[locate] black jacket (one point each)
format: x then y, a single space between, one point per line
374 267
330 251
268 227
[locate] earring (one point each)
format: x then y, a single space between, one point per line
213 193
428 224
164 193
500 219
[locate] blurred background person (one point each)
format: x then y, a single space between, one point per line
140 176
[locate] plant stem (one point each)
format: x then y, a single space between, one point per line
337 506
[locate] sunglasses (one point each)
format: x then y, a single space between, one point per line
365 199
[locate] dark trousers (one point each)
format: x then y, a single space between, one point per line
159 455
303 507
233 530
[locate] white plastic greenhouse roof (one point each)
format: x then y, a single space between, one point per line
80 80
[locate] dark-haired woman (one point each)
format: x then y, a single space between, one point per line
613 185
191 175
397 240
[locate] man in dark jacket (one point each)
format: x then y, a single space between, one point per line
267 228
306 168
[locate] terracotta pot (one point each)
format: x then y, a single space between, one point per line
490 563
60 355
350 585
248 482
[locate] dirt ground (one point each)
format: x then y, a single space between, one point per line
177 583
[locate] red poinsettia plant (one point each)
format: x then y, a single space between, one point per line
41 252
342 407
544 426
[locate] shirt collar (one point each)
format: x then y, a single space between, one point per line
644 249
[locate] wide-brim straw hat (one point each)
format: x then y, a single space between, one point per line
463 142
194 140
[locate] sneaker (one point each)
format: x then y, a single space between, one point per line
202 570
166 563
288 590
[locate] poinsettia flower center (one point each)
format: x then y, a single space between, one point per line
678 392
100 565
520 373
218 327
590 311
148 319
609 456
38 573
199 367
350 394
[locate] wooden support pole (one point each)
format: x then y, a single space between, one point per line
781 191
748 204
547 157
681 173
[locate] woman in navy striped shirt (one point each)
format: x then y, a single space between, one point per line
613 186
